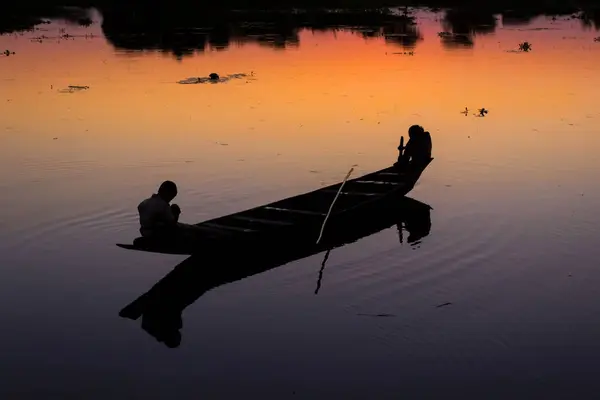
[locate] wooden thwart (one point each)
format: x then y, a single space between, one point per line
381 182
354 193
226 227
260 220
294 211
392 173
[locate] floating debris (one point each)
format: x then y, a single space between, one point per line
8 53
443 305
597 39
74 88
480 112
406 53
212 78
525 46
64 36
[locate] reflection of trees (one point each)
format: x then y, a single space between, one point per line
275 35
464 24
23 16
518 17
404 33
590 18
402 30
469 21
525 14
184 35
183 28
457 41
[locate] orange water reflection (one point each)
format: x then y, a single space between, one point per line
337 100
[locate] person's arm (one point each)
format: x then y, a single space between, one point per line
409 149
166 218
175 211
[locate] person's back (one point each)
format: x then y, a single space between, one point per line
423 149
418 148
157 216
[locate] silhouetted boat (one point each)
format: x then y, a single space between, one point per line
161 307
299 218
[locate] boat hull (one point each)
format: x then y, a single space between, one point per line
297 220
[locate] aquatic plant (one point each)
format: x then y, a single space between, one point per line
214 78
482 112
74 88
525 46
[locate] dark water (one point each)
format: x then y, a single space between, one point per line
513 245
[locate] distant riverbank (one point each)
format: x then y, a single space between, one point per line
24 16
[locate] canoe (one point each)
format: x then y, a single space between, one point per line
299 218
162 306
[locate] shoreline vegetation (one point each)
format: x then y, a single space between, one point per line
183 28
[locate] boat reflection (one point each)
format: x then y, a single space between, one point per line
161 307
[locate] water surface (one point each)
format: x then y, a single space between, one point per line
515 219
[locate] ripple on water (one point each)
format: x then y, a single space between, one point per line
70 227
436 261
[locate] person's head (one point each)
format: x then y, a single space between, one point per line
167 190
415 131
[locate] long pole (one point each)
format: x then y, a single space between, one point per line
332 203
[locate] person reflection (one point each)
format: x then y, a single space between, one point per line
161 307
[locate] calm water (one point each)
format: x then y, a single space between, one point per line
515 220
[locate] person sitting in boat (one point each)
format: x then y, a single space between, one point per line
418 148
157 216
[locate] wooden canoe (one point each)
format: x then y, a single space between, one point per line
161 307
297 218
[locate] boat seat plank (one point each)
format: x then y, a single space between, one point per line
354 193
261 220
392 173
226 227
211 230
295 211
367 187
381 182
